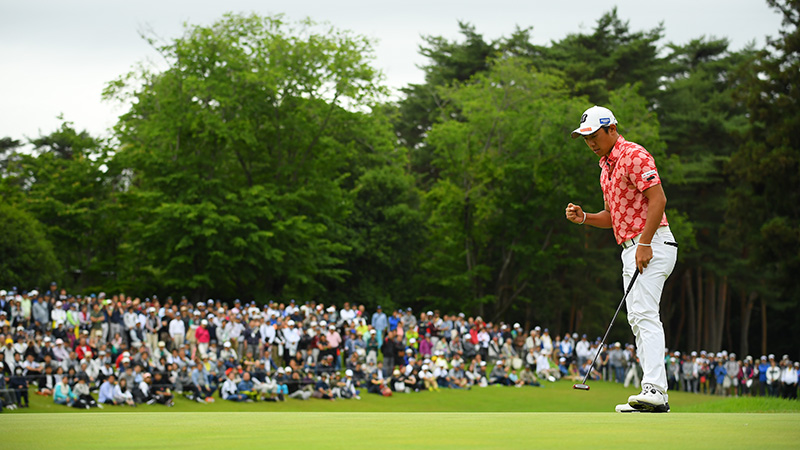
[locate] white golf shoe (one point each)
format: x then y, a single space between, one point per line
651 399
626 408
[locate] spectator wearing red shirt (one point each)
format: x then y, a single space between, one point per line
634 210
203 337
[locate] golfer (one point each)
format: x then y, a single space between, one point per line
634 209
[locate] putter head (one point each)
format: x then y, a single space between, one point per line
581 386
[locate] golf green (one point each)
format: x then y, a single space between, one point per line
400 430
553 416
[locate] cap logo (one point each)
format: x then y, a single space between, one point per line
584 117
605 121
583 130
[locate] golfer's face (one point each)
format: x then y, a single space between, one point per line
600 142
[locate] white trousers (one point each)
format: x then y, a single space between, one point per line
643 305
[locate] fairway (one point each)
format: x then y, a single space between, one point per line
400 430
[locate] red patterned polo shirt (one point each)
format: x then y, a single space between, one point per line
626 172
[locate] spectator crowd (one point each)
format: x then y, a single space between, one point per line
96 350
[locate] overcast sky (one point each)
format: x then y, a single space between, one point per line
58 55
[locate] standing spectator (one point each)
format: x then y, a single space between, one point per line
177 332
379 324
19 384
773 378
719 376
616 360
789 381
203 338
762 376
731 383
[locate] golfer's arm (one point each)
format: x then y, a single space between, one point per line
600 219
656 202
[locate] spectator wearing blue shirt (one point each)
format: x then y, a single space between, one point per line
379 323
719 375
394 320
762 376
106 395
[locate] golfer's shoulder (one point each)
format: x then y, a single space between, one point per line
631 153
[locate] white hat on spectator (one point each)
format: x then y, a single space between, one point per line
408 350
483 363
348 373
290 323
332 327
204 322
226 344
288 369
162 344
47 338
424 367
516 325
430 313
126 354
331 309
396 372
59 341
372 331
412 340
102 352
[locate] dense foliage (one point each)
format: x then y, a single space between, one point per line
265 162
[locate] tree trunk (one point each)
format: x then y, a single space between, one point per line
763 326
700 323
748 301
682 320
692 341
722 306
711 320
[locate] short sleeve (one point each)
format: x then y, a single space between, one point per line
642 171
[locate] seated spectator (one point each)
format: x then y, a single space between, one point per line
527 378
123 395
230 391
161 390
62 394
322 388
47 382
106 396
499 374
201 383
83 398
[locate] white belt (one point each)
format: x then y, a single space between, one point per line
635 240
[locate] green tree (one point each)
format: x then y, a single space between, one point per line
241 155
763 215
499 243
64 184
607 59
27 258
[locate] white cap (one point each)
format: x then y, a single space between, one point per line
412 341
204 322
348 373
593 119
226 344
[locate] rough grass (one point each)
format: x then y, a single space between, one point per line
552 397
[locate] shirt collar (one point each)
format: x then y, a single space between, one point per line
612 156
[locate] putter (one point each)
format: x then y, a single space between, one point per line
583 386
